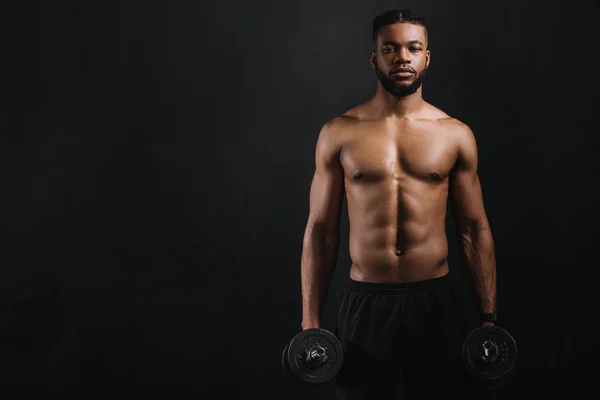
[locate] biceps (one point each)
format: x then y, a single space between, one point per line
326 194
467 200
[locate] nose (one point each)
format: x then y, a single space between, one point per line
402 56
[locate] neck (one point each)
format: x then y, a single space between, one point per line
398 106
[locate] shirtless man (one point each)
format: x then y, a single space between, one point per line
399 160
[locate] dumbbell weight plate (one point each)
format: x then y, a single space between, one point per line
284 358
297 355
498 365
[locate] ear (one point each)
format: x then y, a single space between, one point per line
427 58
372 59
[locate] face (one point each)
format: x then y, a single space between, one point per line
401 58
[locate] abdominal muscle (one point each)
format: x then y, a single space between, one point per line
395 243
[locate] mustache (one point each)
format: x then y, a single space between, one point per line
402 69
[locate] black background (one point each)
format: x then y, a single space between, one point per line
156 159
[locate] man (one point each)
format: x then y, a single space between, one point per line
398 159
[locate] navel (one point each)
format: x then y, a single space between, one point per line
358 175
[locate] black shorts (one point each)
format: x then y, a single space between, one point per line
401 341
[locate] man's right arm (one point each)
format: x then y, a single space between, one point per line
321 237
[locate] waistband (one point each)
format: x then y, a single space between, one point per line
397 287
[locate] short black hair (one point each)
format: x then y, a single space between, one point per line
394 16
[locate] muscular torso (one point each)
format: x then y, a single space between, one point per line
396 177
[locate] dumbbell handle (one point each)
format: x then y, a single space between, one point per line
316 355
490 351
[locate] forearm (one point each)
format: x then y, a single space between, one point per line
478 253
317 265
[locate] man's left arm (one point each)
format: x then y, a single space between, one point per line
476 241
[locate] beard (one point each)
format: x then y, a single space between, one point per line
398 89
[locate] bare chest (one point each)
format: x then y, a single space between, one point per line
424 154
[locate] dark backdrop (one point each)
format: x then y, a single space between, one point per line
155 164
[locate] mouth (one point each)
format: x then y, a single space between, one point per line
402 72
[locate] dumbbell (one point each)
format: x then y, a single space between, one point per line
313 356
490 355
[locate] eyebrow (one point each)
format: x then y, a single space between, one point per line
392 43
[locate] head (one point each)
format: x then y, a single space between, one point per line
400 55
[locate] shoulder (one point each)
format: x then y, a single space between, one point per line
453 127
332 136
452 124
336 132
336 129
333 130
336 125
462 133
464 139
